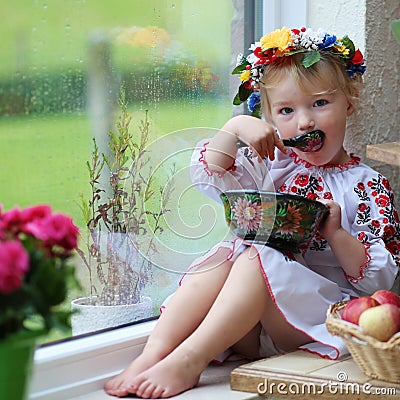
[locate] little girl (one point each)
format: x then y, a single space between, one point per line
252 299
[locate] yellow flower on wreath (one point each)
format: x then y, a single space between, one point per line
279 39
245 75
340 48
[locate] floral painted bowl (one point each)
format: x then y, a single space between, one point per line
282 221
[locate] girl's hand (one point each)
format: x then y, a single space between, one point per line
256 133
333 221
348 250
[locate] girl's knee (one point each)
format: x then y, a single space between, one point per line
248 259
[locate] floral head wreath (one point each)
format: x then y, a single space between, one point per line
286 42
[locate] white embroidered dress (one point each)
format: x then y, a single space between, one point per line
304 287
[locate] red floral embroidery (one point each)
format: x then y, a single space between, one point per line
354 160
302 180
382 200
384 224
393 247
362 207
312 196
388 231
386 184
375 223
361 236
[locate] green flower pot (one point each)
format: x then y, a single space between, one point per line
16 359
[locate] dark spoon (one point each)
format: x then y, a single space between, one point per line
307 142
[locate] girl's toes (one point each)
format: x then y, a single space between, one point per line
145 390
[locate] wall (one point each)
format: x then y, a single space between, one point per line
335 16
367 22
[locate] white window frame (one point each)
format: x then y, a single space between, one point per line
279 13
82 365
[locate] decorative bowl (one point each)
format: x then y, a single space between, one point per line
282 221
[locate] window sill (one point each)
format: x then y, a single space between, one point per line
77 369
214 384
82 366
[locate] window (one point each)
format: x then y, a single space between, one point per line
63 63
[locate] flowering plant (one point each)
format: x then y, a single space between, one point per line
122 215
286 42
35 245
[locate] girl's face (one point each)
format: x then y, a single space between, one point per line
295 112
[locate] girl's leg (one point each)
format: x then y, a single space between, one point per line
237 309
285 336
186 309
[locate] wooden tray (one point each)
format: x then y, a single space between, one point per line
303 376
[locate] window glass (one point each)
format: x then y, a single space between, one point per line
63 64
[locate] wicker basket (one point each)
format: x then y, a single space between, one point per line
379 360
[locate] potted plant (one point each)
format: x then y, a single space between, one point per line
35 276
123 217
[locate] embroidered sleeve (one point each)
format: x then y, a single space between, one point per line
244 173
355 280
208 171
377 226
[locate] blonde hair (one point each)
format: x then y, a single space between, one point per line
329 73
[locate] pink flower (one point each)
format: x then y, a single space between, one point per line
11 222
247 214
36 212
14 264
55 230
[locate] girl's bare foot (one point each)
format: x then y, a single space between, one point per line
120 385
175 374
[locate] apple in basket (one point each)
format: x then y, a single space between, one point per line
386 296
377 315
354 308
381 322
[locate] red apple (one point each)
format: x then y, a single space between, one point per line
354 308
386 297
381 322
